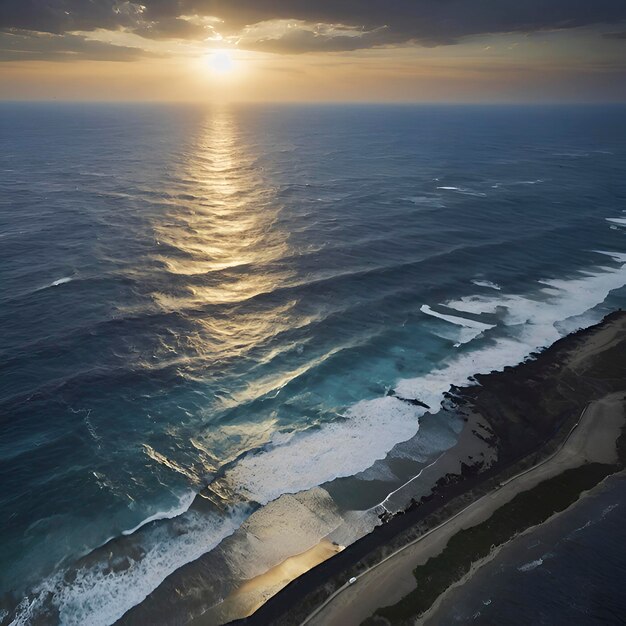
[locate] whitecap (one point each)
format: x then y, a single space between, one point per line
370 429
453 319
99 594
486 283
184 502
470 329
536 318
464 191
528 567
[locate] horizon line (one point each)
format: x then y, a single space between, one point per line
503 103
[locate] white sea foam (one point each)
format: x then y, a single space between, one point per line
463 190
519 182
537 319
343 448
453 319
99 595
621 221
60 281
56 283
184 502
486 283
528 567
470 329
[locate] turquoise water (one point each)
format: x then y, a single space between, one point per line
218 301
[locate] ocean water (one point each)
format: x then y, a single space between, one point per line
203 312
568 571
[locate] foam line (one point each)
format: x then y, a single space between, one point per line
486 283
344 448
536 319
453 319
184 502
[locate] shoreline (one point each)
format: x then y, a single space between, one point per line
576 370
383 587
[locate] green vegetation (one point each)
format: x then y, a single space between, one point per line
468 546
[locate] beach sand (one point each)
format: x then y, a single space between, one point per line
253 593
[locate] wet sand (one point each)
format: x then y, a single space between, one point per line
253 593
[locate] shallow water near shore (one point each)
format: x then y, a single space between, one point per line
205 310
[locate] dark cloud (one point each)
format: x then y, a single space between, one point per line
426 22
620 35
172 28
299 40
36 46
60 16
429 22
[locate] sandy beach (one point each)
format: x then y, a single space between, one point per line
256 591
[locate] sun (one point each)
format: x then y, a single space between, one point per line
221 62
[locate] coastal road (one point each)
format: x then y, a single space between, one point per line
592 438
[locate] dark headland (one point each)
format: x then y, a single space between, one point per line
553 427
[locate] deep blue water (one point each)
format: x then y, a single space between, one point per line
182 286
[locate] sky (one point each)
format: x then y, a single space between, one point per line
314 50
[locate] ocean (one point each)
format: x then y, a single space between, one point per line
208 313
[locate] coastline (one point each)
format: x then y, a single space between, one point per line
532 448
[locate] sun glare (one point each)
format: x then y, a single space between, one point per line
221 62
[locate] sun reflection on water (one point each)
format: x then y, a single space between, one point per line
222 257
224 237
225 256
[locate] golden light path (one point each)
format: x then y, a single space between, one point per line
225 247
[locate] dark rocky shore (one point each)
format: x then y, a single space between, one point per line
523 415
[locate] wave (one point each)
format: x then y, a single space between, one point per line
536 319
367 433
518 182
470 329
464 191
99 594
294 462
57 282
184 502
453 319
486 283
528 567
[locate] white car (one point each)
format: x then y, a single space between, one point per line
352 580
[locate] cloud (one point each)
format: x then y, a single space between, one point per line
427 22
619 35
36 46
317 25
297 36
193 28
